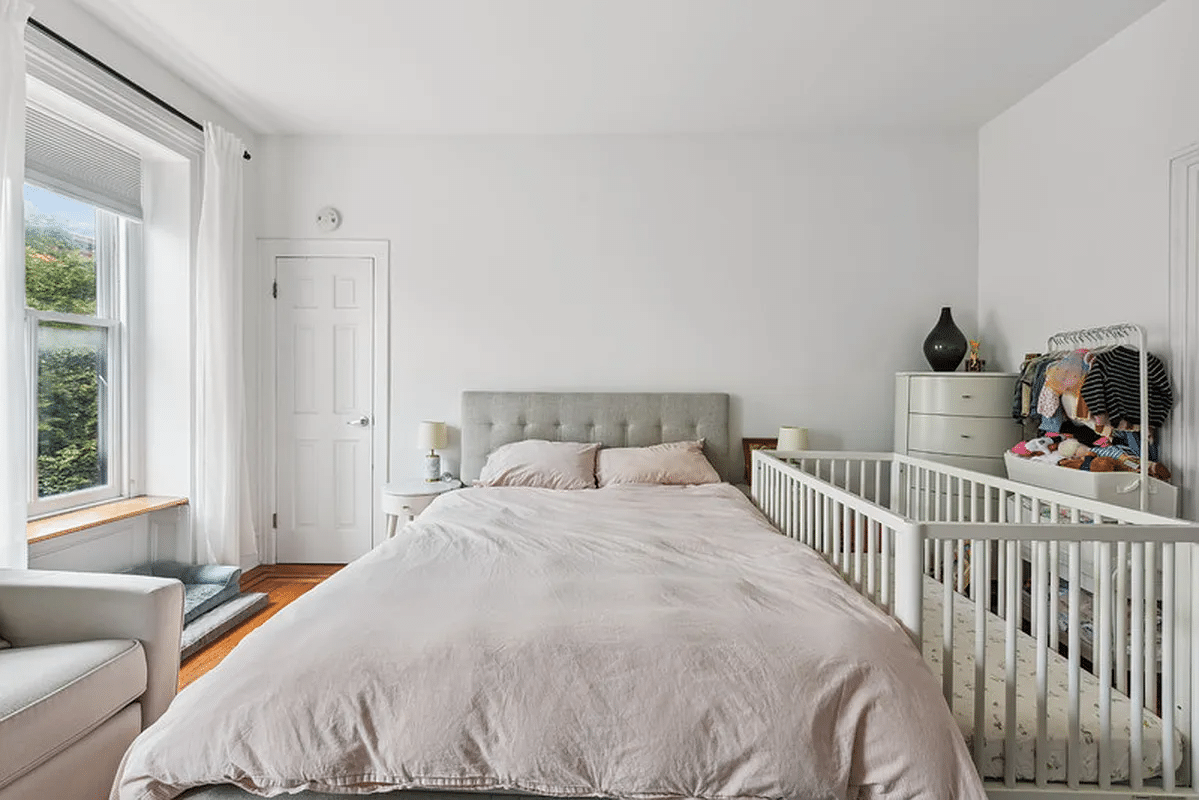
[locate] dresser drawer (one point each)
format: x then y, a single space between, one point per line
965 436
963 395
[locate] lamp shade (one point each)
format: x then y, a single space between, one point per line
431 436
792 439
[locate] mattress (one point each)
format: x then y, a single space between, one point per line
1058 699
648 642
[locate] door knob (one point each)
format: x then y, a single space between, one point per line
361 422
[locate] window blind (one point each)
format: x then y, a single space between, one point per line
66 157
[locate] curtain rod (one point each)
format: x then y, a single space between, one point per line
98 64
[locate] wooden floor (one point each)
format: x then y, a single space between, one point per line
282 583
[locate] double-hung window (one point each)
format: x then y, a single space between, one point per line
82 233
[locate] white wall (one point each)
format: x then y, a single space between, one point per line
1073 183
795 273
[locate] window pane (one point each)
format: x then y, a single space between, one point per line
72 408
60 252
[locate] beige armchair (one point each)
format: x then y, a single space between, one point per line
94 660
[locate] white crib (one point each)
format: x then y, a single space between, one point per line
995 580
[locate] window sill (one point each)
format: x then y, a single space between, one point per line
61 524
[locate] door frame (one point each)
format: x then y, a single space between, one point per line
378 251
1184 332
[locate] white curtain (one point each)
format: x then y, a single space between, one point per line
222 518
14 424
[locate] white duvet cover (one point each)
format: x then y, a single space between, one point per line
631 642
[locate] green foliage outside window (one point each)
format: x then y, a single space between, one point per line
68 400
60 275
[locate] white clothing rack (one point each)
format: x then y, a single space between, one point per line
1124 333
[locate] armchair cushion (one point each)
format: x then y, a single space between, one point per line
55 694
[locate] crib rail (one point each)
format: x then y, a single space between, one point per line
1033 562
830 502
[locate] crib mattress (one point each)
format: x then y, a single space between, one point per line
1026 699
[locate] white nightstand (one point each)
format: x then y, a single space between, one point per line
409 498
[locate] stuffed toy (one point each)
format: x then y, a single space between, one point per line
1040 446
1070 448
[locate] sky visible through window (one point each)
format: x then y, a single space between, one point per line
77 217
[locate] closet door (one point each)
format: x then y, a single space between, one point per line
325 412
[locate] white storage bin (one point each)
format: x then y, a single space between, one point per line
1117 488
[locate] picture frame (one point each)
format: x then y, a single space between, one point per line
750 444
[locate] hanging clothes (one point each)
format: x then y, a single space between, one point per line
1065 375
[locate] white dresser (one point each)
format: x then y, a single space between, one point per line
959 418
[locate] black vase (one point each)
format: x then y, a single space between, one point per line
945 346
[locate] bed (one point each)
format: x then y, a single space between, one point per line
632 641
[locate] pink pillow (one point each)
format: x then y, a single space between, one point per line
542 464
674 463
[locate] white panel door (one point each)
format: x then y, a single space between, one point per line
324 390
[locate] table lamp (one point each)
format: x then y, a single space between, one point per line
792 439
432 436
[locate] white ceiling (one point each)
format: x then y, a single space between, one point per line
615 66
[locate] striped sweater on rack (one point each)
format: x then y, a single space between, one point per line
1112 387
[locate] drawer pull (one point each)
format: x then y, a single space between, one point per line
965 436
967 396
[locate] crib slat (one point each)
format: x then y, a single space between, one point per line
947 631
787 522
961 566
980 567
1168 611
859 534
1150 654
830 529
1121 617
1103 565
1035 608
1055 582
811 512
888 542
1137 693
871 559
821 511
777 494
847 518
840 533
961 495
1074 642
1040 590
926 500
1012 612
943 499
1001 551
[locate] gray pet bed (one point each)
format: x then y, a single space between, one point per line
205 586
212 600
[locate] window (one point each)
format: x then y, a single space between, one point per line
109 348
77 253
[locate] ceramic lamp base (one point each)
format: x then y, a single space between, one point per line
432 467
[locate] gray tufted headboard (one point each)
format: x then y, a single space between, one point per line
490 419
